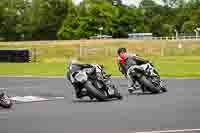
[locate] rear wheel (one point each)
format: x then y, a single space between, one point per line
100 95
150 87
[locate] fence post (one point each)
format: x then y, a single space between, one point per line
83 50
34 55
80 50
163 47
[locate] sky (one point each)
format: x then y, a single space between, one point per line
128 2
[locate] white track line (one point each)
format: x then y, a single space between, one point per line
33 98
171 131
59 77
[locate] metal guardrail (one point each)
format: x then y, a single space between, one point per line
14 55
59 50
168 38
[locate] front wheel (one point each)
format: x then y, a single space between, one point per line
150 87
100 95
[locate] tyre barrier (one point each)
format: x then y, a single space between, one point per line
15 56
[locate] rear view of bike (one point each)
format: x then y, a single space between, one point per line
96 84
148 79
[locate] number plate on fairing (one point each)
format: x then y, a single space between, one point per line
81 76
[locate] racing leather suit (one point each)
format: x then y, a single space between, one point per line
129 63
77 87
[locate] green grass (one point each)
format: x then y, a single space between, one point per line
32 69
51 56
179 66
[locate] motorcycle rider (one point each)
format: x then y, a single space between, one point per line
76 64
127 62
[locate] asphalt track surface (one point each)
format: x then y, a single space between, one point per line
179 108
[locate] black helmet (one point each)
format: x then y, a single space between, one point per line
121 50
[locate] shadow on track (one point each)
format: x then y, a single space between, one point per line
93 101
143 93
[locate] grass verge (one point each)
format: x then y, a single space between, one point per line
175 66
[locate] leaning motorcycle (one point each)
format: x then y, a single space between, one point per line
146 78
93 79
5 101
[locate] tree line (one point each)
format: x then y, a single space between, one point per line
62 19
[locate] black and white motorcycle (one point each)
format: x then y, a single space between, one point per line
92 81
147 79
5 100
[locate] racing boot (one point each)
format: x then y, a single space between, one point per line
81 94
1 95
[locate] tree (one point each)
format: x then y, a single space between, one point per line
196 17
49 18
193 4
167 30
191 15
188 27
2 12
128 20
147 4
151 10
10 18
27 20
92 15
52 19
157 25
117 2
169 3
70 25
182 15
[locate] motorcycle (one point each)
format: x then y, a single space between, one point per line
5 101
147 79
93 81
